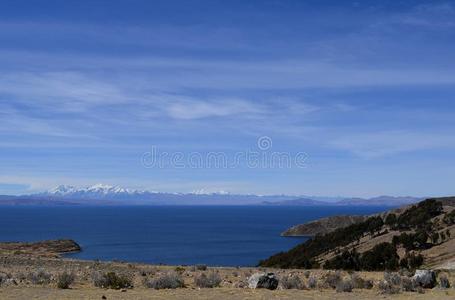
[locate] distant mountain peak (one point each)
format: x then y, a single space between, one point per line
205 192
62 190
106 189
96 189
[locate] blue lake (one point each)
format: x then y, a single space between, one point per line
212 235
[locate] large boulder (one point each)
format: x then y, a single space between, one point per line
263 281
425 278
254 279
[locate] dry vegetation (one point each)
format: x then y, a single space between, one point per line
43 278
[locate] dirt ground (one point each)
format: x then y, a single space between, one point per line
216 293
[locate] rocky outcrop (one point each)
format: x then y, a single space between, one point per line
263 281
425 278
322 226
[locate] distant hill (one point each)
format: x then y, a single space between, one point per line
408 237
376 201
322 226
380 201
297 202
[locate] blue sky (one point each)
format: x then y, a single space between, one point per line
365 88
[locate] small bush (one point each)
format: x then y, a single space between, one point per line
292 282
40 277
408 284
344 286
444 282
2 279
166 281
65 279
387 288
201 267
112 280
312 282
210 281
392 278
332 279
360 283
180 270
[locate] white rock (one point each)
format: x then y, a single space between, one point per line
425 278
254 279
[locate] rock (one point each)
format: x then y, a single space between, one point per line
10 281
425 278
263 281
268 281
254 279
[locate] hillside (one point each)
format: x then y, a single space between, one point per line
323 225
416 235
50 248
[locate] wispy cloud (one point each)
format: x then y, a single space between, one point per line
388 143
200 109
431 16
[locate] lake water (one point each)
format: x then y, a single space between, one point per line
212 235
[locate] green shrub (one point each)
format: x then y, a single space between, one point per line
418 216
391 220
382 257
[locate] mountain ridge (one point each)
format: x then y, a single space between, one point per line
102 194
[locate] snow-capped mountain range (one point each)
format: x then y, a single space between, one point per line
131 196
97 189
104 190
102 194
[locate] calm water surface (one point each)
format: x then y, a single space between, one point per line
213 235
